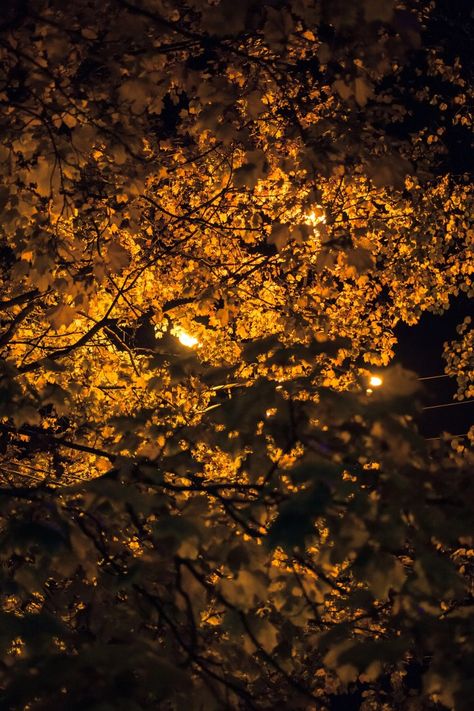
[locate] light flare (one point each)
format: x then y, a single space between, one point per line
186 339
316 217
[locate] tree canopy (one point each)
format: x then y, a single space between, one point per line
214 214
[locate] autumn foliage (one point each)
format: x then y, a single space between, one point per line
214 214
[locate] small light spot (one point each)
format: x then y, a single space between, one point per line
375 381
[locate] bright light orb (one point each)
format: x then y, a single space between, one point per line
315 217
375 381
187 340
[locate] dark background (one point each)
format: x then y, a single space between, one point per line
420 349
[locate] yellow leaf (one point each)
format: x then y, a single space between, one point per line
61 315
344 90
69 120
362 90
117 256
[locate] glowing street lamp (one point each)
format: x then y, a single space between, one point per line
375 381
315 217
186 340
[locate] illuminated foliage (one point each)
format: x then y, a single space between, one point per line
459 356
213 217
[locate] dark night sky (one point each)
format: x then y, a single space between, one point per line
420 349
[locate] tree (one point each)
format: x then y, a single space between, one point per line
213 218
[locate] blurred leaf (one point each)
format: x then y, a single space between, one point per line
295 519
